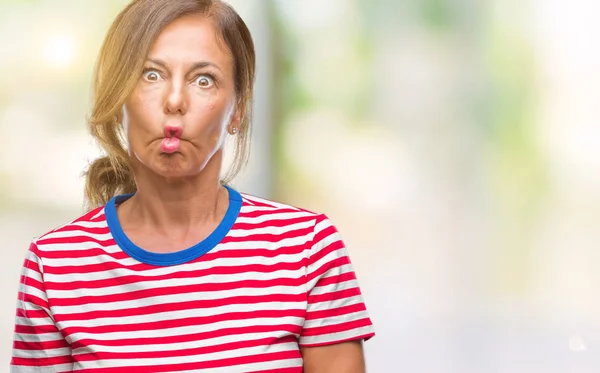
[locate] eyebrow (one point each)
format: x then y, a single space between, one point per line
195 66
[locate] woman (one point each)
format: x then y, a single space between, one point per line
173 270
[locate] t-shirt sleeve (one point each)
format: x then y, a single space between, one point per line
38 345
336 311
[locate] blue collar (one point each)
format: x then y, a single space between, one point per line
179 257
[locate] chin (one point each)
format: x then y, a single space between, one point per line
171 165
176 165
161 164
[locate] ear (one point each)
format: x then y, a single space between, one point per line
236 121
119 117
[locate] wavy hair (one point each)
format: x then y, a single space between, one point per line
117 71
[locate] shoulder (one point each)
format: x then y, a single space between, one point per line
258 211
252 203
267 209
87 227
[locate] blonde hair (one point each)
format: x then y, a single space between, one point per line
119 65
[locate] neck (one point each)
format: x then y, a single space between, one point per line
182 203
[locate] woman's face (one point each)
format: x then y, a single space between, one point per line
184 104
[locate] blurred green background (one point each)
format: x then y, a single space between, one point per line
455 144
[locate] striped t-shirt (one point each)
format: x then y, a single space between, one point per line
268 279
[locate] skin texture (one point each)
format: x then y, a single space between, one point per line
188 87
344 357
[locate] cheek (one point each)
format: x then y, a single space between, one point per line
207 107
221 110
212 111
140 113
220 117
145 101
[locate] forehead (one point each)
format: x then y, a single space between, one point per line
191 39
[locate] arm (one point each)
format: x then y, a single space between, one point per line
38 347
344 357
336 320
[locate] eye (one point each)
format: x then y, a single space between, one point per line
205 81
151 75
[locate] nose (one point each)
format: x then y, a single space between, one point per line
176 101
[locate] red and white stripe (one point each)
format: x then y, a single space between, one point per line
280 279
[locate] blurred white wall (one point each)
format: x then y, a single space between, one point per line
455 145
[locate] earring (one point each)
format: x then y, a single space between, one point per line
234 130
